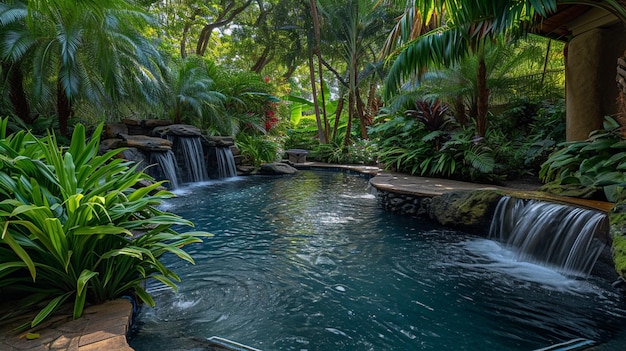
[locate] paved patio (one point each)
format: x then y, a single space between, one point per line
102 327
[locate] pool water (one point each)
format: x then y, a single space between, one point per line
310 262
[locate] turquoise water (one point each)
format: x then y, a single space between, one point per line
310 262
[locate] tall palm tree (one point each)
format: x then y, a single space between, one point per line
78 49
466 29
355 26
509 68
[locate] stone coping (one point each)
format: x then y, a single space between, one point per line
429 187
102 327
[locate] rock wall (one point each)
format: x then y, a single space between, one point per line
469 211
617 218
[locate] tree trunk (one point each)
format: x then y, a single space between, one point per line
459 107
346 140
482 104
64 110
224 18
373 104
361 112
183 40
318 52
17 94
262 61
320 129
338 112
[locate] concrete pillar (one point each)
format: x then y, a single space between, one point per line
590 78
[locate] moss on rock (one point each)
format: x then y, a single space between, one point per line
471 210
618 234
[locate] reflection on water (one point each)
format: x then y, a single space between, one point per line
309 262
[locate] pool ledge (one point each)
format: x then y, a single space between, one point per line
102 327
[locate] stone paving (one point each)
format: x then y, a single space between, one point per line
102 327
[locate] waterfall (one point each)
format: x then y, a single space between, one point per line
563 236
190 156
225 163
221 163
165 168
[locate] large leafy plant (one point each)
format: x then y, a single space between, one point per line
75 228
407 144
586 168
257 149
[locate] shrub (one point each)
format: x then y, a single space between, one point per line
584 168
73 226
257 149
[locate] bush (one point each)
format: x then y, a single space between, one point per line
359 152
587 168
257 149
75 228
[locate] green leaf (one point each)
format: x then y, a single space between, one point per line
49 309
144 296
19 251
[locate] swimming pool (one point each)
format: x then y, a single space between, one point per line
310 262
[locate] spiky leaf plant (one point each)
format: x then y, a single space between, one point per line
74 227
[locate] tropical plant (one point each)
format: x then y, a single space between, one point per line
191 89
63 51
468 29
257 149
247 98
75 228
584 168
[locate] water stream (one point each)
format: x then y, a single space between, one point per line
191 158
310 262
565 237
222 164
164 167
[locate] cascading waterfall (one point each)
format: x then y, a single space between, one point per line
221 163
191 157
225 163
165 167
565 237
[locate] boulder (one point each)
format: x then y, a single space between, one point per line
147 143
151 123
177 130
135 155
470 209
110 144
113 130
220 141
276 168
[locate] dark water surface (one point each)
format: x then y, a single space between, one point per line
309 262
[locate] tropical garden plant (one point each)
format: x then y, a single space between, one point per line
57 54
589 168
257 148
434 34
77 227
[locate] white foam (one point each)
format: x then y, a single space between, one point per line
492 256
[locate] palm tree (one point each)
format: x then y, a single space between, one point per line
355 26
67 50
467 29
510 68
191 90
